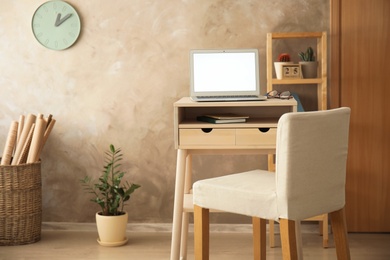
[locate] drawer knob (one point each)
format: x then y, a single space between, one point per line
264 129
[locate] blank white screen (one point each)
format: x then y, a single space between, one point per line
219 72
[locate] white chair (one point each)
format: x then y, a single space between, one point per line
311 154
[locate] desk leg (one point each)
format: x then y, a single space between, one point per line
298 235
186 215
271 168
184 235
178 203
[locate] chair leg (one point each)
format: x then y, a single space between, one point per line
259 238
288 237
339 227
201 232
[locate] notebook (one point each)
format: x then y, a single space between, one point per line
225 75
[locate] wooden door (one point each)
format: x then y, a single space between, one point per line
360 79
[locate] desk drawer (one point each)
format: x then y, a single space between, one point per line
256 136
207 136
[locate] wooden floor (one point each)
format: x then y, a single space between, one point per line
80 243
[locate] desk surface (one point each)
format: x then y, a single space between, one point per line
188 102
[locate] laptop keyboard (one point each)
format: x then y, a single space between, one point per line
230 98
224 97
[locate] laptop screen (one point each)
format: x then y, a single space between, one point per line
224 72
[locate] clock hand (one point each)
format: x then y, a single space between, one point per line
59 21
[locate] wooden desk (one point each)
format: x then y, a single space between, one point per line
256 136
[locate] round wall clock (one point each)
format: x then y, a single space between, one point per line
56 25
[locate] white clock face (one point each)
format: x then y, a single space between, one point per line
56 25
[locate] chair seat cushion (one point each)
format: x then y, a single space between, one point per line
251 193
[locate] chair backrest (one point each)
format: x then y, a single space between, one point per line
311 155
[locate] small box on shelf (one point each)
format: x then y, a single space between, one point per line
291 71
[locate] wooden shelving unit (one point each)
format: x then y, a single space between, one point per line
321 56
320 81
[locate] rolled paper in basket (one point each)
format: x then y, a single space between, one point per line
20 128
49 127
10 144
36 142
26 129
49 118
26 147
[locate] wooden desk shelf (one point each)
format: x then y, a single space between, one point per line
321 57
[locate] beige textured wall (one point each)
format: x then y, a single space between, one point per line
117 85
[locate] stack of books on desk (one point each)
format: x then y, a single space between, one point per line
223 118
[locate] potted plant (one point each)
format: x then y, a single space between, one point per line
283 58
308 63
110 193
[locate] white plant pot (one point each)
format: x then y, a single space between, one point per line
278 68
112 229
309 69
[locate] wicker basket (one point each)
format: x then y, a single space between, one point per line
20 204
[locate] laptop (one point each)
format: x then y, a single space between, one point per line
225 75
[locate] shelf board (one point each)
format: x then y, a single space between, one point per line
297 35
187 102
296 81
